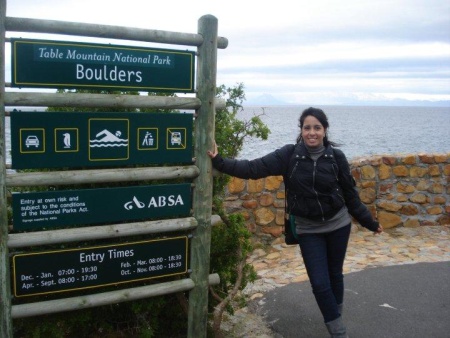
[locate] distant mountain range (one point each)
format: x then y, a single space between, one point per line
266 99
270 100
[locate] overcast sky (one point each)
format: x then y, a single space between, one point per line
300 52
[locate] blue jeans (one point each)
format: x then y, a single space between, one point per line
323 255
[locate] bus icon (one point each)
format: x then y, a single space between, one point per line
175 138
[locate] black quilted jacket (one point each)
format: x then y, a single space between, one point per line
315 189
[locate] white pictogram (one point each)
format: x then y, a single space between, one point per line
66 140
129 205
32 140
148 139
175 137
107 139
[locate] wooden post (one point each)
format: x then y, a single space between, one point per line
5 293
202 198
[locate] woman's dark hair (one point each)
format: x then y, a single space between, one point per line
320 115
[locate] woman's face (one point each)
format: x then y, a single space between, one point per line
313 132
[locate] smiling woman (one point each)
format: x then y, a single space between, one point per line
321 198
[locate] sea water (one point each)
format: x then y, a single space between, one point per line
361 130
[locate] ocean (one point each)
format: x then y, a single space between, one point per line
360 130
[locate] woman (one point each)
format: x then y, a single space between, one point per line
321 196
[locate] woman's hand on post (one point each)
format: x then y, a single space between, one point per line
213 153
379 230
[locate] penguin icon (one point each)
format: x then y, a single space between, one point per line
66 140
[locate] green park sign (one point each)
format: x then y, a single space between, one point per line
55 140
48 272
50 209
61 64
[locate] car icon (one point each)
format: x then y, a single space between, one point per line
175 138
32 140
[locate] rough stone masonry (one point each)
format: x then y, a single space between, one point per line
408 190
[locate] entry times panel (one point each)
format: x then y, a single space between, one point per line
75 269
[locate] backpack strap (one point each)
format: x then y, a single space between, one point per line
342 163
339 157
285 176
290 232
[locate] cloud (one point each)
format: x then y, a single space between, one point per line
360 48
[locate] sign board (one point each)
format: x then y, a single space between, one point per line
38 210
61 64
49 140
76 269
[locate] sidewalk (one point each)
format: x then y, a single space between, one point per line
283 265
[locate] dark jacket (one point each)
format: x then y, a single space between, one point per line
315 190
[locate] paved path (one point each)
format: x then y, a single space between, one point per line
282 267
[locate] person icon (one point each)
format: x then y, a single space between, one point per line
148 139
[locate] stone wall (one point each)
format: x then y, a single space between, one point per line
400 190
